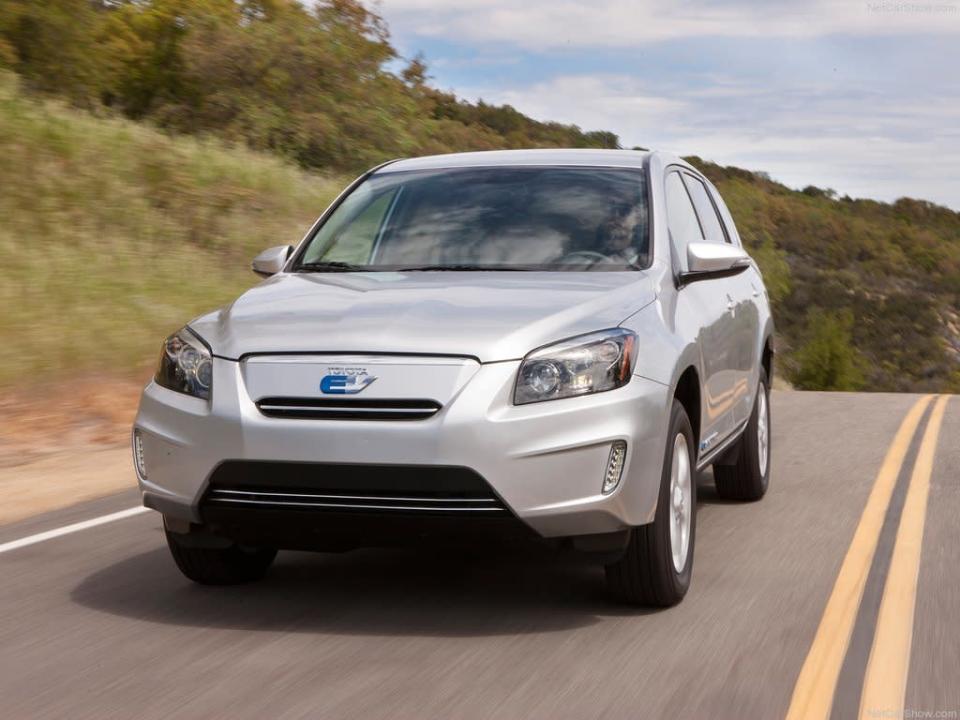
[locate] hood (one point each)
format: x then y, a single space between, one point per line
491 316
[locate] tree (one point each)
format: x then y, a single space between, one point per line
53 46
415 72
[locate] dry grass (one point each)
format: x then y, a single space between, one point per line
114 234
57 481
66 415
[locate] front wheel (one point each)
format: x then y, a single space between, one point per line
656 567
749 475
228 565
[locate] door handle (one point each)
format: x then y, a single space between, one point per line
756 293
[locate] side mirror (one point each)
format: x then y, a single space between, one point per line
271 261
706 261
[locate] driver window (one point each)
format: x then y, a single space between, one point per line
681 219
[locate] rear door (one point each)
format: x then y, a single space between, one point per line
702 313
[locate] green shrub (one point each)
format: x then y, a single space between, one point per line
827 359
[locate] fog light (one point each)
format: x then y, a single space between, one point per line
138 462
618 454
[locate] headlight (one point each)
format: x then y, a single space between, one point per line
578 366
185 365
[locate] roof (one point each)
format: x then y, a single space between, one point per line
501 158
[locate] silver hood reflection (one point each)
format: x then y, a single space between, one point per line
491 316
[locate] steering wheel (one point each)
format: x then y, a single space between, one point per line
581 255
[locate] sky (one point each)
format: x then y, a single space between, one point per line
861 97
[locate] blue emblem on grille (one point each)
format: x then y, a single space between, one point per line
345 381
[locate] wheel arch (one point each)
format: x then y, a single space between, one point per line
686 391
766 357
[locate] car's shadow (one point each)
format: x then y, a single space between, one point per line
707 495
707 491
377 592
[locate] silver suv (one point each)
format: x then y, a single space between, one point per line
483 346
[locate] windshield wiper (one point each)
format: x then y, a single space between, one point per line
330 266
454 268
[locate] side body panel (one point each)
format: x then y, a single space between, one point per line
675 336
754 318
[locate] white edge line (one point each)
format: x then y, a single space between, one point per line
68 529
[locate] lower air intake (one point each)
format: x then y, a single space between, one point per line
323 487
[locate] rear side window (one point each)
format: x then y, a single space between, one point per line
709 220
725 215
681 218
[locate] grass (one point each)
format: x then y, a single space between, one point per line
114 234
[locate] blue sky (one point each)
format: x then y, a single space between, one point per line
862 97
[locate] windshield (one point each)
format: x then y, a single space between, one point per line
502 218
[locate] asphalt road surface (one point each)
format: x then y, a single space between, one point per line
790 611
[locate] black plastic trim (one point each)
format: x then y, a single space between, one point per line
449 480
347 409
687 277
333 507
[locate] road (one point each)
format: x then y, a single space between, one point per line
99 624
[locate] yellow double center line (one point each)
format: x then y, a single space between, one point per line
886 676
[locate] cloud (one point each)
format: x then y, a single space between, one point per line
857 95
590 101
558 24
805 134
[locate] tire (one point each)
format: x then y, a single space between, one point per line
647 573
230 565
748 477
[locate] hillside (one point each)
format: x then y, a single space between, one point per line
184 136
114 234
867 294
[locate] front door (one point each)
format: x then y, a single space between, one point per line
705 309
744 288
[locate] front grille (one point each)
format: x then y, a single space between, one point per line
325 487
366 409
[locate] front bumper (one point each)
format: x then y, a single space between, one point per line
545 461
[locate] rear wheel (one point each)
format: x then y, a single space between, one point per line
228 565
656 567
749 475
